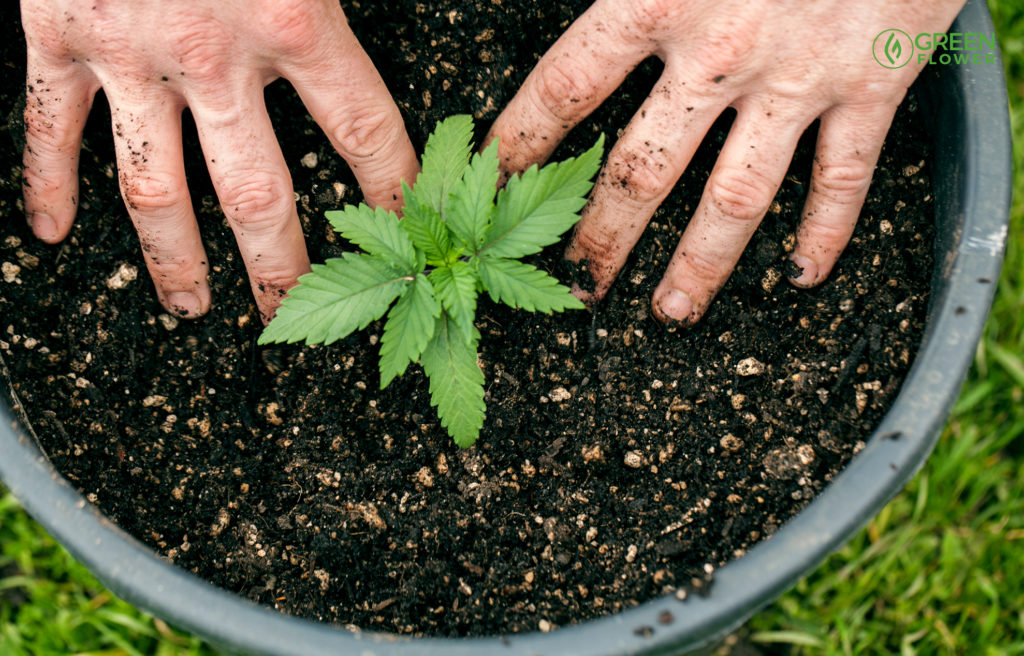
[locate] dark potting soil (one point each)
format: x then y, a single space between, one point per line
619 460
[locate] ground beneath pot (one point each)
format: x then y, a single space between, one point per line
619 461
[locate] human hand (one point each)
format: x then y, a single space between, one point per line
781 64
153 59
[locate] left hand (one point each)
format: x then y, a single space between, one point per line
155 58
781 64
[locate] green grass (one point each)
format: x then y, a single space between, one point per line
50 604
939 571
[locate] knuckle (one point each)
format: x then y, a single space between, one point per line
642 172
46 134
180 269
40 183
292 27
743 194
869 94
652 15
367 131
385 192
517 148
702 267
44 33
604 249
254 197
842 182
728 44
273 283
152 192
598 246
820 235
564 90
200 45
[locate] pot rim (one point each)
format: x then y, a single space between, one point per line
963 289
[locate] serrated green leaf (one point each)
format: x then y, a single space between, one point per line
376 231
445 159
456 288
534 209
410 326
472 201
456 381
340 296
524 286
426 229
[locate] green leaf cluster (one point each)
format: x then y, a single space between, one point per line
459 237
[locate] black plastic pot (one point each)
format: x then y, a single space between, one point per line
972 191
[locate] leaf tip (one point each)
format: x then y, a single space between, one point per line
465 441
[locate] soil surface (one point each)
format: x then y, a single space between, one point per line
619 460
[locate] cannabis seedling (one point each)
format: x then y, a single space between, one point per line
454 241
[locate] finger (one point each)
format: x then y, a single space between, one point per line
150 163
587 63
59 97
641 170
743 183
255 191
849 143
346 96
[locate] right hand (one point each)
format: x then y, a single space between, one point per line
153 59
781 64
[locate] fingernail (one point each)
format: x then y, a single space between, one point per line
44 227
184 304
677 306
809 271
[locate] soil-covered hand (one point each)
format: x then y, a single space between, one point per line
780 64
153 59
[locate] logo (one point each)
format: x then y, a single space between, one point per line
893 48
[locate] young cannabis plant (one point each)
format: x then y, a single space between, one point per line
454 241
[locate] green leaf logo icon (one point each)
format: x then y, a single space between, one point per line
893 48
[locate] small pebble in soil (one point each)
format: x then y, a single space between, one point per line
633 459
730 442
559 394
310 160
425 477
592 453
125 274
749 367
10 272
168 322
